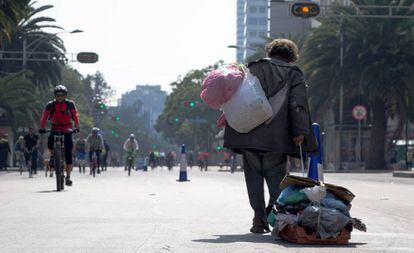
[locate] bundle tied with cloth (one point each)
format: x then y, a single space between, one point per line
239 94
320 209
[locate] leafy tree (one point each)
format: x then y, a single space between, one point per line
378 57
180 123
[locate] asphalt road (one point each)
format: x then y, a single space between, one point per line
152 212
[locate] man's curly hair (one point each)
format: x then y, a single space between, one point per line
284 48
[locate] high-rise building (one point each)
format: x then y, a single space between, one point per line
150 98
252 26
260 19
283 23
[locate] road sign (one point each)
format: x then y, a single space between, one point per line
87 57
359 112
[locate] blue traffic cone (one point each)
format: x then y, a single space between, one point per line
183 166
316 165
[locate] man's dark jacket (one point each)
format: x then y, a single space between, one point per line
292 120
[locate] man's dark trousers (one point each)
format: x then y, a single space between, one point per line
260 166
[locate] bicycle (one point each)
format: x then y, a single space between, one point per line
58 157
129 162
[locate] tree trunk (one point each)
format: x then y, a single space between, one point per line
376 153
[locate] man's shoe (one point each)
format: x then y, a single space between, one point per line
260 226
68 182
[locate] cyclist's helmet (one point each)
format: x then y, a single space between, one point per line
60 89
132 136
95 130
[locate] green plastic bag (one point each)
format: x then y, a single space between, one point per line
291 195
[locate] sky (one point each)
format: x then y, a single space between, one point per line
146 42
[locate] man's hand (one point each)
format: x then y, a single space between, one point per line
298 140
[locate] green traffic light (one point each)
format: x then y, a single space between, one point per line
102 106
192 104
177 120
117 118
218 148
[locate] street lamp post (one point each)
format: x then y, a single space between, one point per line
38 42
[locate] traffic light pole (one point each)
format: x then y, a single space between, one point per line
37 56
341 90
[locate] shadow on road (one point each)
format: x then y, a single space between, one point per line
49 191
257 238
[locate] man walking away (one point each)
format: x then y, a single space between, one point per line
265 148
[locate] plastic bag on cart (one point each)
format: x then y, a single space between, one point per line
315 194
248 107
327 222
291 195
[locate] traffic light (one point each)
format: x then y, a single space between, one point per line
305 10
87 57
191 104
102 106
219 148
117 118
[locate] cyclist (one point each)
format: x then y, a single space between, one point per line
61 112
130 146
80 151
95 144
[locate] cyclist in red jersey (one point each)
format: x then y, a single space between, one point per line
61 112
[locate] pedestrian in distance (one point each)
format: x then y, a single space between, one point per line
19 150
191 159
4 151
105 156
80 151
31 153
265 148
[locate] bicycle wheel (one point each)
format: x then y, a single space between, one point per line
58 170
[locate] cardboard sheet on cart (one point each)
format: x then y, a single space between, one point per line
339 191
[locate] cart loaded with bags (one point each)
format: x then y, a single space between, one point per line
312 212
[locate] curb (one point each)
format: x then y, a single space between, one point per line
406 174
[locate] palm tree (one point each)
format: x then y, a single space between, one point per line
10 11
19 99
29 30
378 57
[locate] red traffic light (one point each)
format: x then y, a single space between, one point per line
305 10
87 57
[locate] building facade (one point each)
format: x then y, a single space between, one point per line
150 98
252 26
